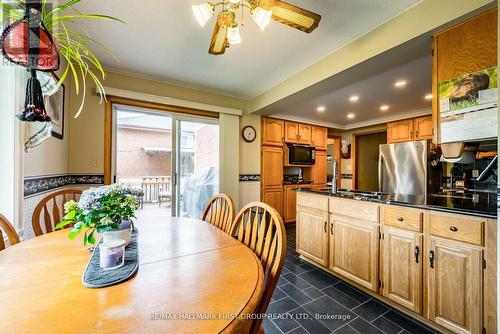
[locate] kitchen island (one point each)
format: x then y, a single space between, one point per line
435 263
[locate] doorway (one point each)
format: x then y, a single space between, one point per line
366 160
173 158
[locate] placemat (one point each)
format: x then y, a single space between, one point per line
96 277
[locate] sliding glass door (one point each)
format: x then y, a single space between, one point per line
173 158
196 165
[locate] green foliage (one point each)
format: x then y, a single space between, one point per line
75 47
100 209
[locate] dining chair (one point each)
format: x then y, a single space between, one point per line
219 211
8 229
50 211
260 227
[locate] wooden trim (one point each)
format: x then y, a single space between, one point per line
435 93
353 152
108 123
161 107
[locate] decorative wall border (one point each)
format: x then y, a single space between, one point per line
38 184
249 177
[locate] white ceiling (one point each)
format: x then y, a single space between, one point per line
162 40
373 92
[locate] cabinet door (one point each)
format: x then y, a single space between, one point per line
272 131
402 267
274 198
291 132
400 131
271 167
305 134
319 137
318 171
423 127
356 250
312 234
455 285
290 202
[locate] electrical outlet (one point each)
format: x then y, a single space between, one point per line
95 163
475 173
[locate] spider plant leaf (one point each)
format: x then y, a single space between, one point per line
62 18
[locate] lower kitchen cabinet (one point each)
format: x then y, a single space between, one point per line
402 267
290 201
455 273
355 253
274 198
312 234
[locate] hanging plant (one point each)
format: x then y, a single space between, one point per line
75 47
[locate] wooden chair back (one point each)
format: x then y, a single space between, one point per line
50 211
8 229
219 212
260 227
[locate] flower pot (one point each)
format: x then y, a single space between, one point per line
125 234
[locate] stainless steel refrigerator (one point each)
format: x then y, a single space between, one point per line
403 168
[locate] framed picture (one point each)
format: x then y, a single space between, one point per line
54 105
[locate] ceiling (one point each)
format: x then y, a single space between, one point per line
162 40
373 92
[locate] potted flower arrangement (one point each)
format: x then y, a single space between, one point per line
108 210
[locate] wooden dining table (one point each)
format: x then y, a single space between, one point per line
192 278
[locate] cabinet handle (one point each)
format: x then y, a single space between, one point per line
325 226
331 228
417 253
453 228
431 258
400 219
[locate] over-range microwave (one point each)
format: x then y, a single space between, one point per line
301 154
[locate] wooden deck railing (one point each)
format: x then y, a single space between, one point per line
152 186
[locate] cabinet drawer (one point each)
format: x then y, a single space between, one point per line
457 227
405 218
319 202
355 209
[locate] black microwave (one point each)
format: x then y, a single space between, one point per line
301 154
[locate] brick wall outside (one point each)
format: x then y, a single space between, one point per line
207 147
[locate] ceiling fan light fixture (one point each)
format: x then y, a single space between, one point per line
261 17
233 35
203 12
234 1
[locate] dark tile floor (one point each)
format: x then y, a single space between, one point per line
309 300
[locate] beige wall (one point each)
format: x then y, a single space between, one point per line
250 152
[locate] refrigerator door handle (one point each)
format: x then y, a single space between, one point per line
380 172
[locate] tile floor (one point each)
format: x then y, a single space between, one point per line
308 300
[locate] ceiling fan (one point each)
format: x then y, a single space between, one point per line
226 31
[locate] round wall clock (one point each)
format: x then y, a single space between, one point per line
248 133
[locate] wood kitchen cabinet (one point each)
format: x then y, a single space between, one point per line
355 250
297 133
455 283
319 137
423 127
271 167
318 171
290 201
312 234
273 131
274 197
402 267
419 128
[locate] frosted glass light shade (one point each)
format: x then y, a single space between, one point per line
233 35
203 13
234 1
262 17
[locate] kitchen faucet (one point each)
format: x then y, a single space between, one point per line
335 172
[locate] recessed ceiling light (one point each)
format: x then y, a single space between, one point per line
384 107
428 96
354 98
351 115
400 83
320 109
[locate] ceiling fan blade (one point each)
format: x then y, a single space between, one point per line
291 15
219 43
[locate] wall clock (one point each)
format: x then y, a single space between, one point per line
248 133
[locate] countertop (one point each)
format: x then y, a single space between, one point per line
486 206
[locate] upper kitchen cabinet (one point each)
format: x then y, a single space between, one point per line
273 131
419 128
319 137
464 53
400 131
297 133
